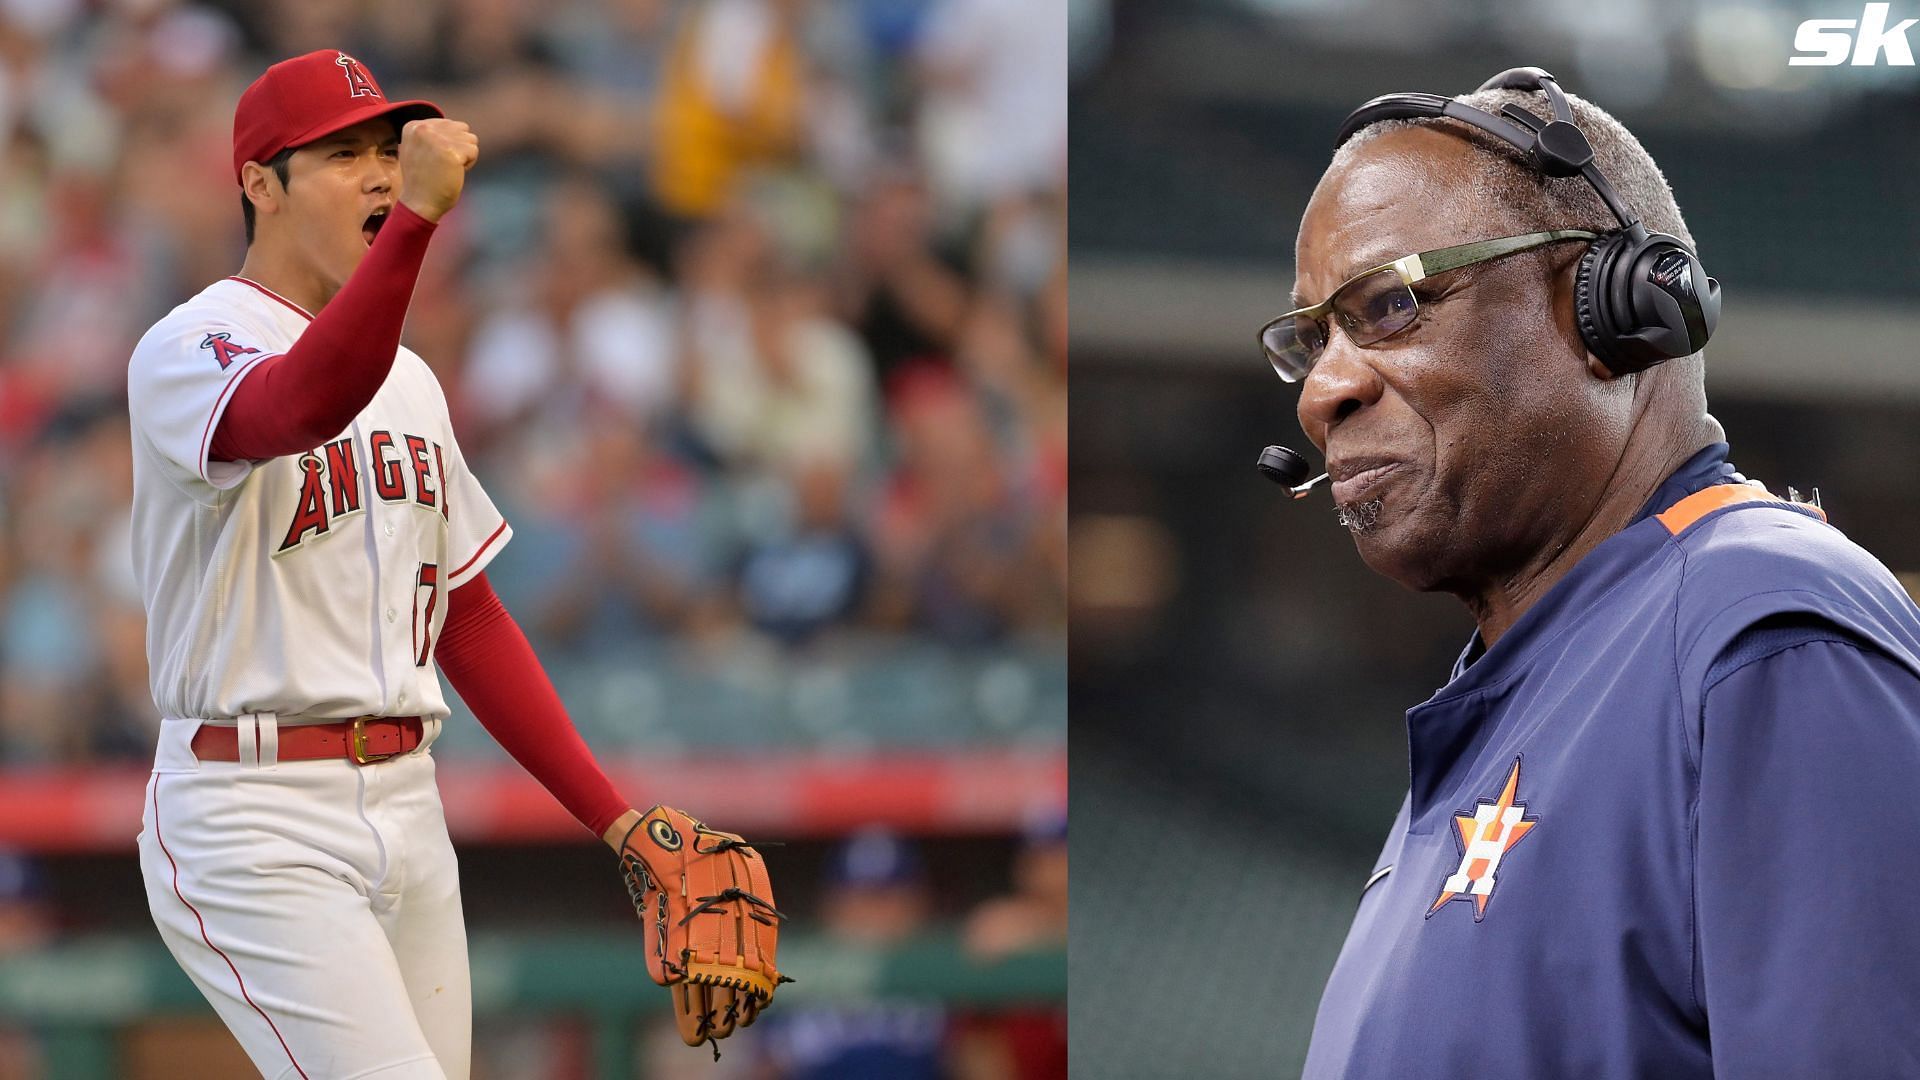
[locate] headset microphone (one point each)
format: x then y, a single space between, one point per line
1288 469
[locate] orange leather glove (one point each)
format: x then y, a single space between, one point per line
711 927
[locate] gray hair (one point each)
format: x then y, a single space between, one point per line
1512 189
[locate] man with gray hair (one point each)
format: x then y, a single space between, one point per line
1661 817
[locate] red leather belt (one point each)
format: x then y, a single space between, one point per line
362 740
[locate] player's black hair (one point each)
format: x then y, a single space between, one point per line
281 164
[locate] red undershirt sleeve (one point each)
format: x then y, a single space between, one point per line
491 665
301 398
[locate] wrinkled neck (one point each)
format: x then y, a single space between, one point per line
1502 601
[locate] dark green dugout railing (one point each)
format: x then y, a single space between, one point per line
74 996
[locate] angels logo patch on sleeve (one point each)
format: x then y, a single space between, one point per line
1485 834
224 348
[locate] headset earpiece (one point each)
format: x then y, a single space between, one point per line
1641 300
1585 311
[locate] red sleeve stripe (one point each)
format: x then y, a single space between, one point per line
461 569
269 293
233 381
161 839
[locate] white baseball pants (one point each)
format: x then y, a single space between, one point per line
316 904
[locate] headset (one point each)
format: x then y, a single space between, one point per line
1640 298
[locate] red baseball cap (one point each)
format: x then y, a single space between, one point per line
310 97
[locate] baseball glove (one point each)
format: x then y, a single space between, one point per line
711 927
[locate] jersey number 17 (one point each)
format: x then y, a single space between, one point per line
428 579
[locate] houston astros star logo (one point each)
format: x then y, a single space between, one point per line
1485 835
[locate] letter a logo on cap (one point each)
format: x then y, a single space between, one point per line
358 81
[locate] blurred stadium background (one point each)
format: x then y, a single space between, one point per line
761 303
1238 677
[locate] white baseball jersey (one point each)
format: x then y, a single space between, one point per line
312 584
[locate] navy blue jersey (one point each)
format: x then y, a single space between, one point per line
1668 826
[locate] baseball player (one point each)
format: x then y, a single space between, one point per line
1661 817
311 544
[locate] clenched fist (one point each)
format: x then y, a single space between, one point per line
434 158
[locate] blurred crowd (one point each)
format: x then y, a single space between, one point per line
752 318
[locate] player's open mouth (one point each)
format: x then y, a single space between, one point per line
371 227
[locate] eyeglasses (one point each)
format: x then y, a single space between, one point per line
1376 304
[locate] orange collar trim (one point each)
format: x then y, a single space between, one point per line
1683 514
